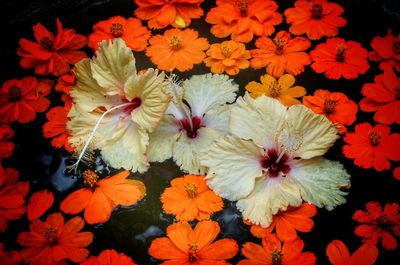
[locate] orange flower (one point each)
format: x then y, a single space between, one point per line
377 225
383 98
372 147
228 56
12 194
39 203
9 257
287 222
21 99
56 127
130 30
66 82
177 49
336 106
281 54
243 19
386 51
109 257
53 242
162 13
6 148
338 254
272 252
190 198
338 58
281 89
316 18
186 246
100 197
49 54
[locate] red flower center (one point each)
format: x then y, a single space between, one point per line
175 42
329 106
191 129
243 6
274 164
396 46
50 234
316 11
276 257
341 51
280 44
374 138
192 253
47 44
116 30
14 93
135 103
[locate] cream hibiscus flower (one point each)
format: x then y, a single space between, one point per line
115 107
197 115
273 159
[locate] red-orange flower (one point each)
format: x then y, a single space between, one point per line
372 147
21 99
338 254
56 127
336 106
49 54
243 19
162 13
39 203
66 82
186 246
316 18
337 58
383 98
130 30
386 51
53 242
281 54
9 257
109 257
379 225
272 252
6 147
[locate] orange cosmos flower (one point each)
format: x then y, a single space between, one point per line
338 254
337 58
316 18
49 54
243 19
372 147
281 54
162 13
130 30
273 252
6 147
9 257
336 106
66 82
177 49
190 198
39 203
100 197
186 246
109 257
228 56
281 89
386 51
379 225
383 98
53 242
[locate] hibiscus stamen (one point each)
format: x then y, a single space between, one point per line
135 103
226 51
396 46
374 138
191 190
280 44
175 42
275 89
329 106
50 234
47 44
276 257
243 6
14 93
90 178
116 30
341 51
316 11
193 249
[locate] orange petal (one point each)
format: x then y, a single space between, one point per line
338 253
39 203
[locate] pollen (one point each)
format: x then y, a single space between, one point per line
50 234
90 178
193 250
280 44
275 89
191 190
276 257
175 42
226 51
330 105
116 30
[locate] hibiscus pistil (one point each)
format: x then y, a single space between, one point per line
191 190
175 42
316 11
191 125
47 44
329 106
276 257
90 178
374 138
116 30
50 234
14 93
243 6
341 51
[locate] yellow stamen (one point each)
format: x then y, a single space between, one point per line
175 42
90 178
276 257
191 190
116 30
275 89
280 44
226 51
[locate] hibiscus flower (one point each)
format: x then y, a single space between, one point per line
273 160
386 51
337 58
197 115
338 254
177 49
9 257
184 245
372 146
242 19
109 257
49 54
54 242
6 147
336 106
66 82
383 98
281 89
281 54
316 18
377 225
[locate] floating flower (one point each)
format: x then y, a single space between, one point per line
186 246
197 115
54 242
272 251
242 19
39 203
130 30
273 160
337 58
281 54
66 82
386 51
189 198
281 89
383 98
161 14
316 18
336 106
177 49
338 254
6 147
100 197
49 54
21 99
228 56
379 225
372 146
9 257
109 257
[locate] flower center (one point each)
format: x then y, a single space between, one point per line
330 105
193 249
273 164
396 46
276 257
47 44
243 6
316 11
175 42
275 89
341 53
374 138
14 93
116 30
383 222
191 128
50 233
90 178
226 51
280 44
135 103
191 190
